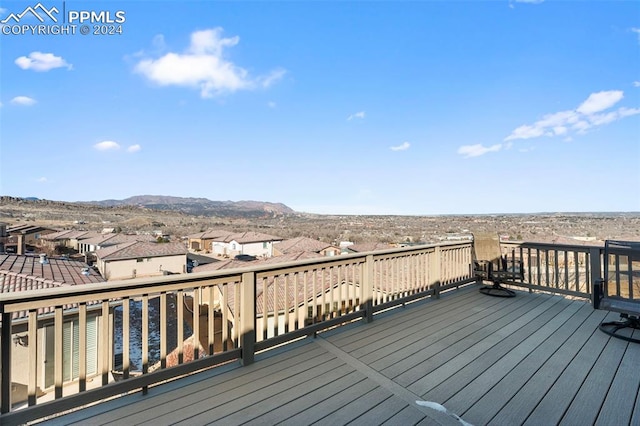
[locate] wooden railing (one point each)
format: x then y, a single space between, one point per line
81 344
565 269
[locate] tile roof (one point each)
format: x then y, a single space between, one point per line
111 239
56 271
300 244
27 229
250 237
67 234
137 249
211 234
290 257
362 247
22 273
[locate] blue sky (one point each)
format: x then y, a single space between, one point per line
413 108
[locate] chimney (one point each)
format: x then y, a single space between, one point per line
21 248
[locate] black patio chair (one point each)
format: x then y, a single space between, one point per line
619 289
491 265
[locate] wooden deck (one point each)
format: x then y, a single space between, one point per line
535 359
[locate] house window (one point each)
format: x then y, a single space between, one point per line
139 259
70 350
264 245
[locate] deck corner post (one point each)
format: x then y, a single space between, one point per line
367 288
248 317
595 265
436 271
5 363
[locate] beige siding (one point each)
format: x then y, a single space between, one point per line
142 267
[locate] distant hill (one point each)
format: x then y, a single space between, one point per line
200 206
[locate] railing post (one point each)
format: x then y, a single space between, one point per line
5 353
436 270
596 275
248 317
367 288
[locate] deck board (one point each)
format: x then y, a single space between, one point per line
466 387
616 408
454 338
546 395
534 359
410 339
426 376
226 399
493 400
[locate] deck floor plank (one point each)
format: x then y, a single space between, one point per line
199 405
159 396
616 408
482 411
410 328
536 359
408 416
552 388
223 388
590 397
306 400
465 392
280 396
452 339
360 405
425 376
386 321
327 407
528 337
380 413
410 340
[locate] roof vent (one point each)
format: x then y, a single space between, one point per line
43 259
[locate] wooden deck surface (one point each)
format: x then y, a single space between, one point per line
535 359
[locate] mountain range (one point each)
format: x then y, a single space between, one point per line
187 205
200 206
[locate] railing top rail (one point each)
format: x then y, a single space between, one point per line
153 284
552 246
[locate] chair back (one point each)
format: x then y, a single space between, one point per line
486 246
621 278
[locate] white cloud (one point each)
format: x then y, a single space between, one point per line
106 146
202 66
42 179
23 100
134 148
627 112
525 132
38 61
637 31
271 104
589 114
271 78
600 101
636 84
360 114
477 150
560 130
402 147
